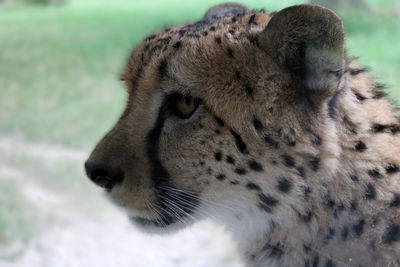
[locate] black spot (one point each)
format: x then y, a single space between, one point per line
202 163
234 182
329 263
353 205
354 178
274 250
239 142
218 40
284 185
302 171
252 19
395 201
221 177
344 234
253 40
218 156
205 33
177 45
360 97
329 235
314 164
317 140
374 173
359 227
182 32
212 28
306 248
288 160
392 234
257 124
162 68
306 217
238 76
267 202
289 141
392 168
371 192
219 121
255 166
249 90
361 146
328 201
230 160
149 38
307 192
378 94
271 142
315 261
240 171
209 171
234 19
231 32
230 52
253 186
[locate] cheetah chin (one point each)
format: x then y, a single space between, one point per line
262 123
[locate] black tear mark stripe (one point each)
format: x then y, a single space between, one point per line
161 177
239 142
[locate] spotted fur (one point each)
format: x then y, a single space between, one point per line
291 144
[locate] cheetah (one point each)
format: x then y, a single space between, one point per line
264 124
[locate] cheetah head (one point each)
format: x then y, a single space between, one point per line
219 115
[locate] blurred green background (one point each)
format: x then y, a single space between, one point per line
60 92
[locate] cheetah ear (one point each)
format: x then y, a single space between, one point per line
308 41
226 9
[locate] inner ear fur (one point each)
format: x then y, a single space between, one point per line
308 41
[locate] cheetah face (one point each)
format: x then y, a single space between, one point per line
209 105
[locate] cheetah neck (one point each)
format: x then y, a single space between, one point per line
347 211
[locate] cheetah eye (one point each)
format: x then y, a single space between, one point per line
182 106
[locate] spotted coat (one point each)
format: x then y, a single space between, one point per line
260 122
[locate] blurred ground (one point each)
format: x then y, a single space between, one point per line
80 228
59 93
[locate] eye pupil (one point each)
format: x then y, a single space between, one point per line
187 100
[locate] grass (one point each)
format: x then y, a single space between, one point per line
59 68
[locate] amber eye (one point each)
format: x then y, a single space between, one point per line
182 106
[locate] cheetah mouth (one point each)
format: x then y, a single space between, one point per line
160 223
175 206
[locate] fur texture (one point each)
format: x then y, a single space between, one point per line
291 145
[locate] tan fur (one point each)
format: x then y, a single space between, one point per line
325 160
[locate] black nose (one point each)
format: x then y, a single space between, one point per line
103 176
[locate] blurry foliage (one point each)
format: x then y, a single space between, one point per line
340 4
40 2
